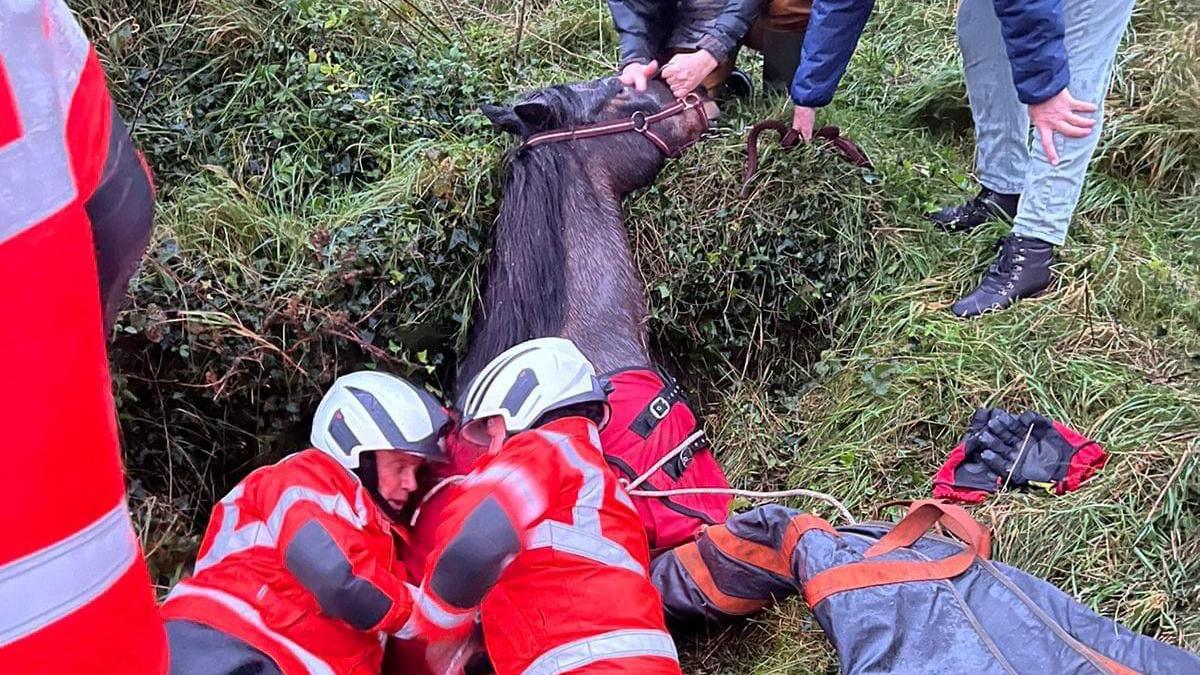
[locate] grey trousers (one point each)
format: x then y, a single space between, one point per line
1008 158
197 649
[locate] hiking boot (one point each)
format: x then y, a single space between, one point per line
737 85
1021 270
988 204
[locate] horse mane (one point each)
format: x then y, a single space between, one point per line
525 285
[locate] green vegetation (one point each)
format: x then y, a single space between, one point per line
327 189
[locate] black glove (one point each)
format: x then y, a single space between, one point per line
972 472
1025 450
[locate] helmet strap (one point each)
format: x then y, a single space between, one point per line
498 432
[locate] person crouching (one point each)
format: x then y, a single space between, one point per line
297 572
541 542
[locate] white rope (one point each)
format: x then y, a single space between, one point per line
665 458
752 494
631 487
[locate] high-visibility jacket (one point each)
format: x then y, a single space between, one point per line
299 563
547 548
75 595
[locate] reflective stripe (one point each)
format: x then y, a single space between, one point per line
617 644
563 537
529 498
49 584
438 616
586 511
585 537
312 663
35 170
409 630
231 539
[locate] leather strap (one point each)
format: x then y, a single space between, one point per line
638 122
921 517
789 138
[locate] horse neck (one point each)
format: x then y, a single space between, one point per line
606 304
560 266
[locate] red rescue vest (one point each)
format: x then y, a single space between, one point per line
650 420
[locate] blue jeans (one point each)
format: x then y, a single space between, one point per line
1009 159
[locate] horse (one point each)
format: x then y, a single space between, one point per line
560 263
561 266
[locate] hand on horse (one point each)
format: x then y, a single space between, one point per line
638 74
803 120
684 72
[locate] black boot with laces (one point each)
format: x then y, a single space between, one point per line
1021 270
985 206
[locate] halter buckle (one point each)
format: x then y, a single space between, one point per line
638 121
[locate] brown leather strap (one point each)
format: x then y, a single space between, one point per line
844 146
789 138
869 573
638 122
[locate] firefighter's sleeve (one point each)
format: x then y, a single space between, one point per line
322 544
486 526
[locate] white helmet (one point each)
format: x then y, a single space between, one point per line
526 382
368 411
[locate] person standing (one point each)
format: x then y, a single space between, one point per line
75 592
1045 62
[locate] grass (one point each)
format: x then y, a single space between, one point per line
327 191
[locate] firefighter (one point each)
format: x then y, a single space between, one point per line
540 538
71 570
299 568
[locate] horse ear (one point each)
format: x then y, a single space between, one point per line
537 113
503 118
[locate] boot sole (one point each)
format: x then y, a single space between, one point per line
1049 287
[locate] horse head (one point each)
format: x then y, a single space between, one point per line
623 159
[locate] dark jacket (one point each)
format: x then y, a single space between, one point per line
647 28
1033 37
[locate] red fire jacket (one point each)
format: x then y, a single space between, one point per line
298 562
75 595
543 542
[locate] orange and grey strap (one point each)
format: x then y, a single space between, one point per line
871 572
736 568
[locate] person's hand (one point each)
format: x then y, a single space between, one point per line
637 74
685 72
1060 113
802 121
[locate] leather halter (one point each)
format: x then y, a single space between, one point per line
638 121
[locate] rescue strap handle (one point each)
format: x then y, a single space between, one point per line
922 516
631 486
